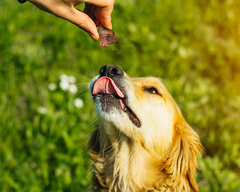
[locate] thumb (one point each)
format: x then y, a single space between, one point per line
103 14
106 21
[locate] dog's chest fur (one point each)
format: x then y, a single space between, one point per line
124 168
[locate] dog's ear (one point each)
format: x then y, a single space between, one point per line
182 161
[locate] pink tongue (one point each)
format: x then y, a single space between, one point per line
106 85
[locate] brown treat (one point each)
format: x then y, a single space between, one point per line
106 36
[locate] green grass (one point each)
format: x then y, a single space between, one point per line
194 46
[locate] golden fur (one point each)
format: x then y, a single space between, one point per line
158 156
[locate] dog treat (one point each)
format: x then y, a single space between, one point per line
106 36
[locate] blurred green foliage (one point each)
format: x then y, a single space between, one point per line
194 46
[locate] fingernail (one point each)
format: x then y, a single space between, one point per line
93 36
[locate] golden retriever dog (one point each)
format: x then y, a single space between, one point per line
142 143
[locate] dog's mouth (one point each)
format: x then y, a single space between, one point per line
112 96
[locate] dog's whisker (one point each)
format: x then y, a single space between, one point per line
81 94
94 121
92 73
96 106
84 86
85 78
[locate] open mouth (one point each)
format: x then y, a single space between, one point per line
105 86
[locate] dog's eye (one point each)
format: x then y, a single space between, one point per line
152 90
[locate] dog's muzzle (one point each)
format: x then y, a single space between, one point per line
109 90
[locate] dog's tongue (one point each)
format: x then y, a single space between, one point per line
106 85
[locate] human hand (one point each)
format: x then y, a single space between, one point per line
96 12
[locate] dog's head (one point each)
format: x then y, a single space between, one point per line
142 110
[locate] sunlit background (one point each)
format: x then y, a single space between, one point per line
46 63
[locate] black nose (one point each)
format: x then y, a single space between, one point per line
110 71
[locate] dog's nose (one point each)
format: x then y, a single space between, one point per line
110 71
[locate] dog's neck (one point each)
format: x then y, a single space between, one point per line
123 165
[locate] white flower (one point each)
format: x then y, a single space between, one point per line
72 79
78 103
73 89
42 110
52 86
64 85
183 52
64 77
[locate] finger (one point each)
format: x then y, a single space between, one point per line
80 19
103 11
104 16
43 5
100 3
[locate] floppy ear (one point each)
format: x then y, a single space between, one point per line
182 161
